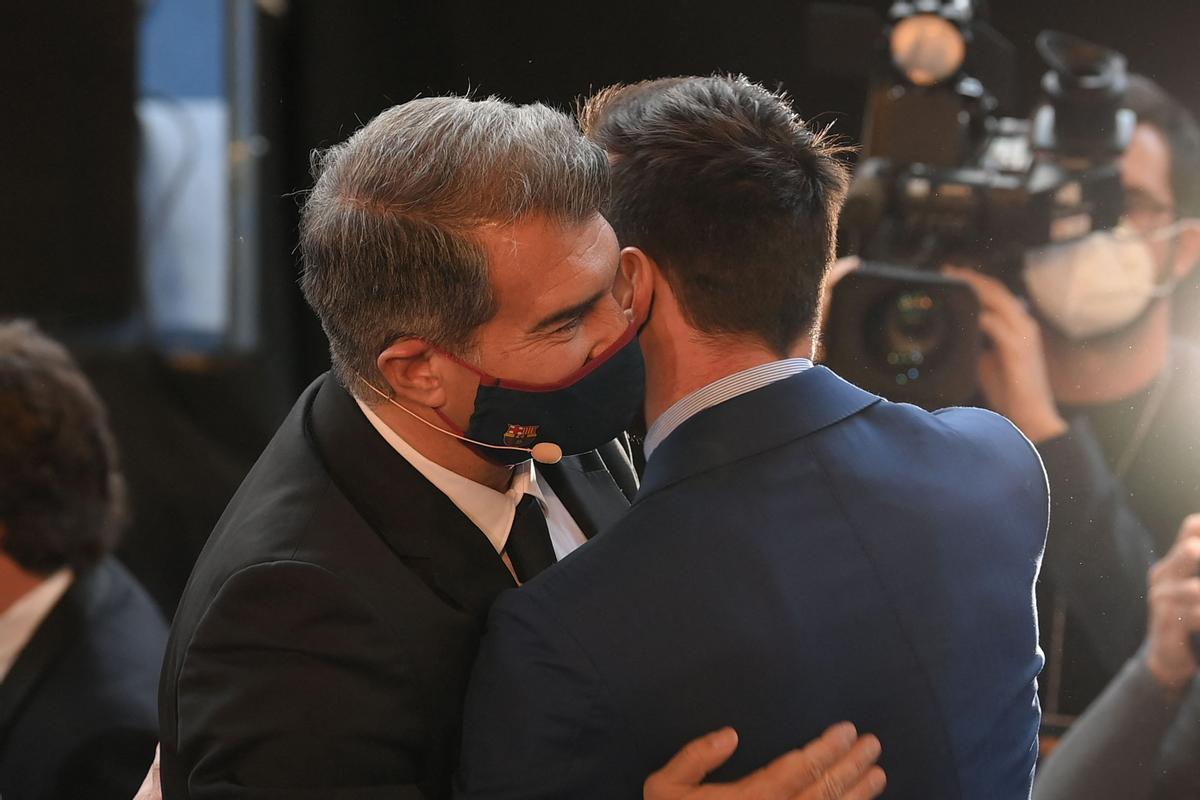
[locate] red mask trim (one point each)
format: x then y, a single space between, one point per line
451 424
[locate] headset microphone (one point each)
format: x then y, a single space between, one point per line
542 452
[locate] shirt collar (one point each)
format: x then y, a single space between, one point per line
490 510
717 392
20 621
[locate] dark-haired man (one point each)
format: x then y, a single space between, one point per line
799 550
1089 371
455 254
80 641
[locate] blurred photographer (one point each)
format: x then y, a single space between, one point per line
1089 371
1140 739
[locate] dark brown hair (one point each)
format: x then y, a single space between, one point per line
62 495
731 193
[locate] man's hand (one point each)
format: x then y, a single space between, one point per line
1174 598
151 788
1013 374
838 766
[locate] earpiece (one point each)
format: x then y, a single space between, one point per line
542 452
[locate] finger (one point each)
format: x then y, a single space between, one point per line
847 772
1175 623
1190 529
1187 616
869 787
1006 340
1177 600
992 294
841 268
697 758
800 769
1182 561
997 328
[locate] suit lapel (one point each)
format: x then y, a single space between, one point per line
419 523
751 423
61 627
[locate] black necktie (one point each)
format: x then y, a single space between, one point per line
528 547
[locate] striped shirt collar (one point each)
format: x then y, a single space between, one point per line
717 392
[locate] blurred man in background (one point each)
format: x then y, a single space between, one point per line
1090 372
80 642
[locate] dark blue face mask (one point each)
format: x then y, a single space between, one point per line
588 408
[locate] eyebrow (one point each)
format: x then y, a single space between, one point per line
576 311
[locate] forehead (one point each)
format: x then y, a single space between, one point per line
539 265
1146 164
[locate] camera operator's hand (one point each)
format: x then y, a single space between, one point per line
1012 374
1174 598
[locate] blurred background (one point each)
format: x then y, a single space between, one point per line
157 152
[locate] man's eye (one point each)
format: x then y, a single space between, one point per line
569 326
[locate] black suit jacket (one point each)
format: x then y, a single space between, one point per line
77 711
324 640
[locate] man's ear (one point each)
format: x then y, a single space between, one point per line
412 372
1187 249
634 287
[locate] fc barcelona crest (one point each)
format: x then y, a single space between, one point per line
520 435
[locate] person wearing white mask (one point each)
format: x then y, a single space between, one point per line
1087 367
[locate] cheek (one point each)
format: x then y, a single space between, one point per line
460 397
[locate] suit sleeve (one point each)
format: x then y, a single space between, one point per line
535 719
108 766
1098 552
1177 773
293 687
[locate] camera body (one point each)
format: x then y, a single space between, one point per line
944 179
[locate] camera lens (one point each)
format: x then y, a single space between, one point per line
910 328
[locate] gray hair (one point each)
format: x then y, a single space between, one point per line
387 234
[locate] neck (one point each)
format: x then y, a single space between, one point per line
676 366
1104 371
15 582
443 449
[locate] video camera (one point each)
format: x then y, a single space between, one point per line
944 179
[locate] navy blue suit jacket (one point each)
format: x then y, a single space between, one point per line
799 555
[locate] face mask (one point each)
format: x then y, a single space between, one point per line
579 413
1097 284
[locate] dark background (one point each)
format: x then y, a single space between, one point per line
191 427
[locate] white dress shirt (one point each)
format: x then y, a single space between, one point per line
718 392
491 511
19 622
